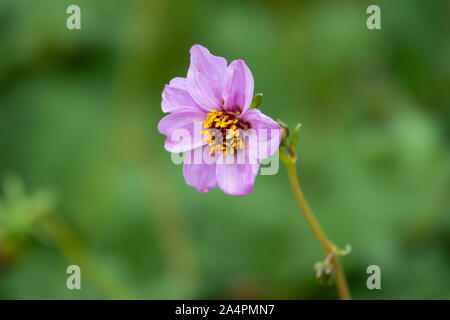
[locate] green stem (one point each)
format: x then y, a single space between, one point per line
328 246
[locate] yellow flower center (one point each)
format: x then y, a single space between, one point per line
226 126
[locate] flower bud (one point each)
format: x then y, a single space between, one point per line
284 132
324 272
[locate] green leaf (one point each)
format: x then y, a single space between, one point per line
257 99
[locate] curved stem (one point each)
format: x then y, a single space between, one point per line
328 246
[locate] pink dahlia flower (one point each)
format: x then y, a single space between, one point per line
209 118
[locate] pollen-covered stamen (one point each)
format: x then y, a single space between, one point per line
228 125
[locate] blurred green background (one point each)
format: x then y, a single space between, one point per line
86 181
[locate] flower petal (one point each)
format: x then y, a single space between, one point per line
183 130
238 87
236 179
176 96
205 77
268 132
202 175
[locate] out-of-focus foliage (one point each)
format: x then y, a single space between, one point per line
19 215
79 113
